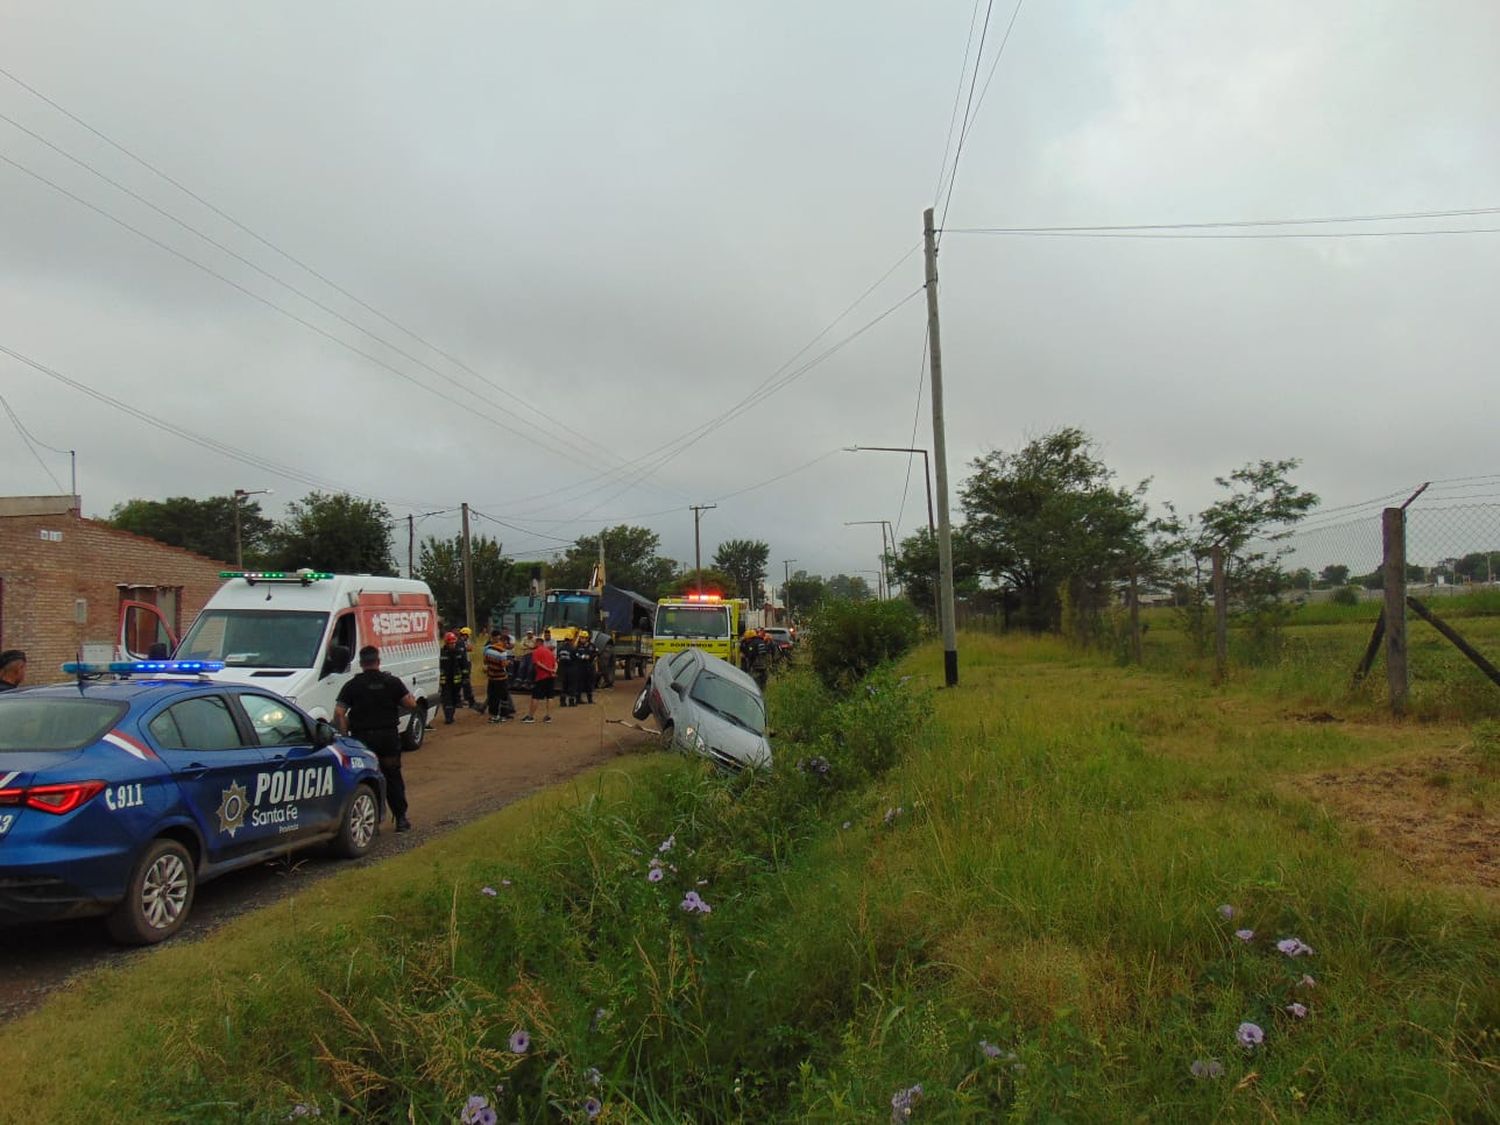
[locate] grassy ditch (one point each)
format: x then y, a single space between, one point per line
1000 902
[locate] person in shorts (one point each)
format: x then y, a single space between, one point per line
544 685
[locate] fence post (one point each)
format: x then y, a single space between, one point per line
1135 619
1393 529
1221 619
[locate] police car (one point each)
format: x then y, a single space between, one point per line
117 796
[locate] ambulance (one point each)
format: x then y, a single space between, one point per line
299 633
709 622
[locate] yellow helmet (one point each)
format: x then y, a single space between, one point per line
747 634
466 632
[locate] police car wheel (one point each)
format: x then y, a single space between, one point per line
359 825
416 730
158 898
642 708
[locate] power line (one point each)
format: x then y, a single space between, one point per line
1389 216
29 442
517 399
963 69
916 417
994 65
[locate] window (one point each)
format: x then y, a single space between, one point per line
274 722
53 724
679 662
203 723
253 638
694 621
731 701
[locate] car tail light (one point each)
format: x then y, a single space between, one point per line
55 799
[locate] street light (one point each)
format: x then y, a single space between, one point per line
239 503
786 599
926 470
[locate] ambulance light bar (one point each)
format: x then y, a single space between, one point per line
144 668
705 597
254 576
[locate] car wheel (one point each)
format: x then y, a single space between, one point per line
642 708
158 897
607 664
416 730
360 823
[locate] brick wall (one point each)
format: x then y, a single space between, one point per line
44 578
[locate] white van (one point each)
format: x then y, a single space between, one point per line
299 633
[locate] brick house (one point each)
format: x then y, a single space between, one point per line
64 579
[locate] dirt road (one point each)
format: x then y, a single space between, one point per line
463 772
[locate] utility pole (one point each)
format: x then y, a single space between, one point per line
411 546
940 454
786 582
239 504
468 573
698 510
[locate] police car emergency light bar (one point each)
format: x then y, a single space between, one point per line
705 597
254 576
145 668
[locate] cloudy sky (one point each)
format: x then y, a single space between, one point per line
567 236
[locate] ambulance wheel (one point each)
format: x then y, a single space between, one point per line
360 821
158 897
642 709
416 730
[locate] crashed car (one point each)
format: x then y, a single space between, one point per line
707 706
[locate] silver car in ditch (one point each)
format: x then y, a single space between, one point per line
707 706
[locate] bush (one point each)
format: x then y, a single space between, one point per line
848 638
1345 595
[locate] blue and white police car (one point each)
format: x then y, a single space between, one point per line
118 796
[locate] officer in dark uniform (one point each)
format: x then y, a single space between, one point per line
466 668
567 673
585 667
754 653
450 673
369 708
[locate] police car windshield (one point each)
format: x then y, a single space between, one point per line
31 723
567 611
253 638
729 699
699 621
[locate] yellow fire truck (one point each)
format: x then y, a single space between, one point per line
707 621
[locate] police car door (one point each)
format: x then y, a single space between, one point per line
200 741
298 792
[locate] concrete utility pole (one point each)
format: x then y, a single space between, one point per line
940 454
786 581
239 504
411 546
468 573
698 510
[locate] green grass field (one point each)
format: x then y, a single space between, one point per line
1034 936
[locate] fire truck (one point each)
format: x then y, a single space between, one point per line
707 621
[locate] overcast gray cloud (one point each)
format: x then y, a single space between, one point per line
631 216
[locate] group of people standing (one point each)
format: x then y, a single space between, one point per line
564 669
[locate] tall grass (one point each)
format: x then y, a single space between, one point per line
1005 894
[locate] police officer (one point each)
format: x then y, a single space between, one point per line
12 669
567 675
585 667
753 653
369 707
450 672
466 659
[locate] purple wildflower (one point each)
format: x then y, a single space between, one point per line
490 891
692 903
475 1109
903 1102
668 844
1207 1068
1250 1035
592 1107
990 1050
1245 935
655 875
1294 947
486 1116
593 1076
1307 982
1226 912
1298 1010
520 1041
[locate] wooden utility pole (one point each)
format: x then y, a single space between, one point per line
698 510
411 546
1393 528
468 560
1135 618
1221 619
940 454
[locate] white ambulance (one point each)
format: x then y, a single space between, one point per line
299 633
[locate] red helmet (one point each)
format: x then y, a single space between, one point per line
450 638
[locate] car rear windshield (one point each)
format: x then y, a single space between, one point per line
699 622
729 699
253 638
32 723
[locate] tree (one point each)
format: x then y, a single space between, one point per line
714 582
1334 575
915 568
334 531
496 577
1050 517
744 560
1478 566
205 527
803 593
631 561
854 589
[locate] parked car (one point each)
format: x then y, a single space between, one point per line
117 797
707 706
784 640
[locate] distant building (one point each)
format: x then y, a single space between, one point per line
66 583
